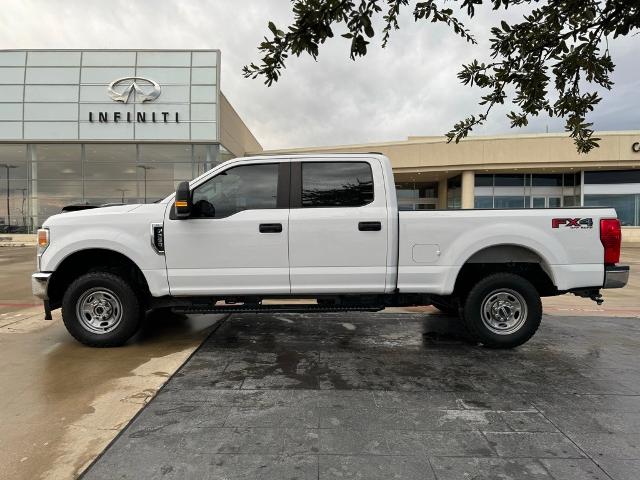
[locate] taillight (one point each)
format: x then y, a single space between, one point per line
611 238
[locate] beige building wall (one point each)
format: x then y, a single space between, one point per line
534 152
234 134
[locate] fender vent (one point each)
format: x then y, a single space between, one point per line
157 237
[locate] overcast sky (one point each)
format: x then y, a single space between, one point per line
409 88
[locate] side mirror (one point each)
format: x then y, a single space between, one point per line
183 201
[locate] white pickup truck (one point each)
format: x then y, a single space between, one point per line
252 234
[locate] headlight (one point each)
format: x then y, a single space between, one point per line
43 240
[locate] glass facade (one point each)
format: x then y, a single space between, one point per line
619 189
417 195
454 192
627 206
527 190
42 178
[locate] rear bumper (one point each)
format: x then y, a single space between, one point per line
615 276
40 285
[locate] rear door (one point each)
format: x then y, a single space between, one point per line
337 227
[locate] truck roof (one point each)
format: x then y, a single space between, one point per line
333 155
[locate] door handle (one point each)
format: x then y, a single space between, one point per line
270 228
369 226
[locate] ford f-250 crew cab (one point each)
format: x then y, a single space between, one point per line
321 227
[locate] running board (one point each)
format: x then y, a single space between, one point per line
253 308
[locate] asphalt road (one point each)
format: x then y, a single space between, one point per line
382 396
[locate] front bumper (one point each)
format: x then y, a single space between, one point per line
615 276
40 285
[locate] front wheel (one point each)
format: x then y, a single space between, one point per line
503 310
101 309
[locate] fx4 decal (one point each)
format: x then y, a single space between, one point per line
572 222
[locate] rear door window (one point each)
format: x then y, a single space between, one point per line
336 184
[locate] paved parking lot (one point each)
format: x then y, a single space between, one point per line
63 402
391 396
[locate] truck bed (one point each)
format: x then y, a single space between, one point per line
435 244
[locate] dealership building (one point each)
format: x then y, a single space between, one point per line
112 126
108 127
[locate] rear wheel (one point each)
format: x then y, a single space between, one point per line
101 309
503 311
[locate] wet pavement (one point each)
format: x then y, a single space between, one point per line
61 403
391 396
16 266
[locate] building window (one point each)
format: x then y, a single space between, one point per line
537 190
571 179
508 180
627 206
484 180
546 180
510 201
417 195
454 192
612 176
47 177
538 202
483 202
15 173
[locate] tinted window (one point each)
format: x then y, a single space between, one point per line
248 187
612 176
484 180
483 202
625 206
547 180
507 180
454 182
336 184
571 201
570 179
509 202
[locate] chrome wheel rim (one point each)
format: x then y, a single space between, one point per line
99 310
504 311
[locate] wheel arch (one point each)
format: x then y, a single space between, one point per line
519 259
88 260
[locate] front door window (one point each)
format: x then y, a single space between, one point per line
248 187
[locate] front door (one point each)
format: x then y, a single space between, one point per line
236 241
337 227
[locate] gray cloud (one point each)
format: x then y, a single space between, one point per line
409 88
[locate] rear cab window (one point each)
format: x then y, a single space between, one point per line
336 184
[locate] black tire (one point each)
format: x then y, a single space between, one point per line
486 296
113 287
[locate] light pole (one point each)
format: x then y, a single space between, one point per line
22 210
8 167
145 168
123 191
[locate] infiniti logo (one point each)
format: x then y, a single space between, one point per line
144 89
